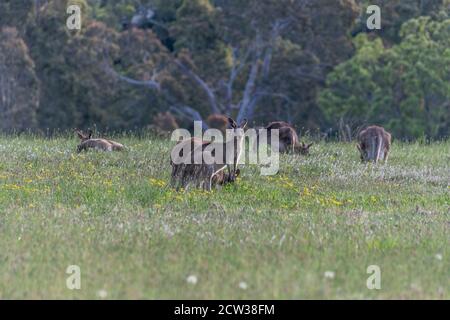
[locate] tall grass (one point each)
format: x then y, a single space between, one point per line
309 232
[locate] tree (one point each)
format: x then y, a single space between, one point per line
227 51
57 109
15 13
394 13
19 86
405 88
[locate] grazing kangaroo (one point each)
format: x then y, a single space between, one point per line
303 148
289 141
374 144
99 144
278 125
209 173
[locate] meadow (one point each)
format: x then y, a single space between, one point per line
309 232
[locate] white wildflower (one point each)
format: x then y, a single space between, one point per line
102 294
243 285
192 279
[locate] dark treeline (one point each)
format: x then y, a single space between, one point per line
309 62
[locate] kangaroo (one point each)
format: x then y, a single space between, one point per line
374 144
289 141
223 178
217 156
99 144
207 182
303 148
287 135
278 125
236 145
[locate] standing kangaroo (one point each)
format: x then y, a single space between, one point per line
229 149
214 156
99 144
374 144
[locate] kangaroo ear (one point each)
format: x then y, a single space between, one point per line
89 135
360 149
238 172
309 145
243 124
79 134
232 123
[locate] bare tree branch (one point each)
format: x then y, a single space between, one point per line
258 56
189 114
251 97
206 88
251 81
238 65
277 27
152 83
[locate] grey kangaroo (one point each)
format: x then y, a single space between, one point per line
374 144
208 174
289 141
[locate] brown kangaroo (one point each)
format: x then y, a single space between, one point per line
222 178
303 148
278 125
289 141
374 144
236 144
99 144
207 175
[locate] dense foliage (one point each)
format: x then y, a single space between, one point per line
310 62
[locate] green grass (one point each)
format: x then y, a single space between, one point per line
113 215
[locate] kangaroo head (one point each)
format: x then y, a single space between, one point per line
303 148
228 179
234 124
83 137
238 130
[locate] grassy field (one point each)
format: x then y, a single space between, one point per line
309 232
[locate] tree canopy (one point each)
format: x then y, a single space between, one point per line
309 62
